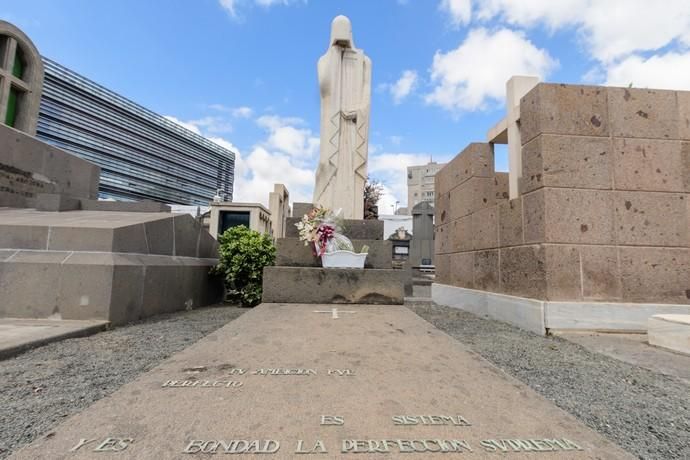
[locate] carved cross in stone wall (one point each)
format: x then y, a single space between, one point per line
334 312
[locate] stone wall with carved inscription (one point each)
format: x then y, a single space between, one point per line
603 208
29 167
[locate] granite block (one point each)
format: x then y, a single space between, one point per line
651 219
658 275
510 223
523 271
651 165
647 113
564 109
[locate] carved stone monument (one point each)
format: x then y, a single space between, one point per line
345 87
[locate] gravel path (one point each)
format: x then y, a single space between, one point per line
41 387
646 413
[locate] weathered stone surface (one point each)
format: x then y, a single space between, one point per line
461 238
501 183
291 252
651 219
23 236
601 278
29 284
579 216
659 275
683 98
644 113
566 161
442 262
159 235
442 208
56 202
333 285
651 165
485 228
186 235
562 272
124 206
486 270
670 331
442 238
476 160
534 217
523 271
132 238
78 238
564 109
300 209
474 194
355 229
393 357
32 167
462 269
510 223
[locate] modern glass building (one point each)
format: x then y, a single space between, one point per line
141 154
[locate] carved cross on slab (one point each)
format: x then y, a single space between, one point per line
334 312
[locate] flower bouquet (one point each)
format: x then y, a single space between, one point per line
322 228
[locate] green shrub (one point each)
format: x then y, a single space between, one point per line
243 254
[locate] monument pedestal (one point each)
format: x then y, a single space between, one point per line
299 278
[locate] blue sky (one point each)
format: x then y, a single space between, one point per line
243 72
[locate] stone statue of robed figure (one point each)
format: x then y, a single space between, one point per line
345 86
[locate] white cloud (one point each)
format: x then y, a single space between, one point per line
391 170
231 5
460 11
236 112
285 136
611 29
190 126
665 71
404 86
474 74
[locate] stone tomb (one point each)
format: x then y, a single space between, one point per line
291 380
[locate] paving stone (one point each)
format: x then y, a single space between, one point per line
646 113
564 109
354 379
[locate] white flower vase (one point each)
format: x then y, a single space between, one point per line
343 259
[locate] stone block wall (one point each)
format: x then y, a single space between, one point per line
603 212
30 168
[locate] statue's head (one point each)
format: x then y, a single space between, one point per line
341 32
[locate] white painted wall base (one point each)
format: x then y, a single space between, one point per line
670 331
538 315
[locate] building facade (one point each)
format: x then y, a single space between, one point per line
420 183
142 155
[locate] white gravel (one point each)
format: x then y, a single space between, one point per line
41 387
646 413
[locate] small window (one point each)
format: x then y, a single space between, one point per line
13 103
19 64
3 49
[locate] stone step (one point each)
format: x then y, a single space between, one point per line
104 231
333 285
355 229
119 288
670 331
291 252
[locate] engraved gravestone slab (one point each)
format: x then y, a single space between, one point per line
286 381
